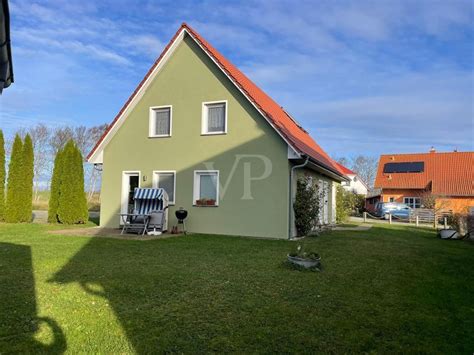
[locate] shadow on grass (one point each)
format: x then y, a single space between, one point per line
19 322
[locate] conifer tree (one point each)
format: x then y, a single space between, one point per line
27 174
72 206
14 185
55 187
2 176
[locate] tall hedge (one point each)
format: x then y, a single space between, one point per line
27 174
72 203
55 188
2 176
15 183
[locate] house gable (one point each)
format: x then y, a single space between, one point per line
298 140
189 79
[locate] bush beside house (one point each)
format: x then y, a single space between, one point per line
347 203
306 206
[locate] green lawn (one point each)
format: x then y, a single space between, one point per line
389 289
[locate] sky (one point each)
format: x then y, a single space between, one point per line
363 77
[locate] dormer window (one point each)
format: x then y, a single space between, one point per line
160 121
214 117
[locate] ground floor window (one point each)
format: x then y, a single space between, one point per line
391 199
166 180
413 202
206 187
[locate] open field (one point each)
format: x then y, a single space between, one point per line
389 289
41 203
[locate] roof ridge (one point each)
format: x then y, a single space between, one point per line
290 130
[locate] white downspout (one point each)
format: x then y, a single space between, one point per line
291 212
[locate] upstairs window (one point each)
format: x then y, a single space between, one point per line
214 117
160 121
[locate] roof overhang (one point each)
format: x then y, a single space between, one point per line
320 168
96 155
6 63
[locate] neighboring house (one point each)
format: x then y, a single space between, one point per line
199 128
408 178
355 183
6 64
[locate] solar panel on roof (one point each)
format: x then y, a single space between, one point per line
406 167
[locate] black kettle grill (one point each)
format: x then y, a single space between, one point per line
181 215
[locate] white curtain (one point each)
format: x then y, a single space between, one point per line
162 122
216 118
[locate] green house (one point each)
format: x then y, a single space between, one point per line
221 148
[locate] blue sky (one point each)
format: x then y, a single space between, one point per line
363 77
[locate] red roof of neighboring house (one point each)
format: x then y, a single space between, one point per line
344 170
280 119
450 174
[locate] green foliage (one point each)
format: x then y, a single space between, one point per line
26 197
68 203
342 209
55 188
306 205
13 212
347 202
2 176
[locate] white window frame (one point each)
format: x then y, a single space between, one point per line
152 122
124 193
156 179
412 205
204 118
196 184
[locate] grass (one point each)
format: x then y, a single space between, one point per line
391 289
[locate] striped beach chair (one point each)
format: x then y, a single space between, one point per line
149 211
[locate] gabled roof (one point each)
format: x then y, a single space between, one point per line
277 117
345 170
450 174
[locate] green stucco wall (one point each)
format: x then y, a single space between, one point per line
188 79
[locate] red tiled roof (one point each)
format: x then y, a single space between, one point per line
344 170
280 119
450 174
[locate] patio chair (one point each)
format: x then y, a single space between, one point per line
147 202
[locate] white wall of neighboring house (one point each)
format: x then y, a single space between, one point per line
355 185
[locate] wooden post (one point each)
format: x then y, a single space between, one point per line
445 222
365 216
390 218
435 222
417 221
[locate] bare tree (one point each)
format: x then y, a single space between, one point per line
40 135
92 135
366 168
59 137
